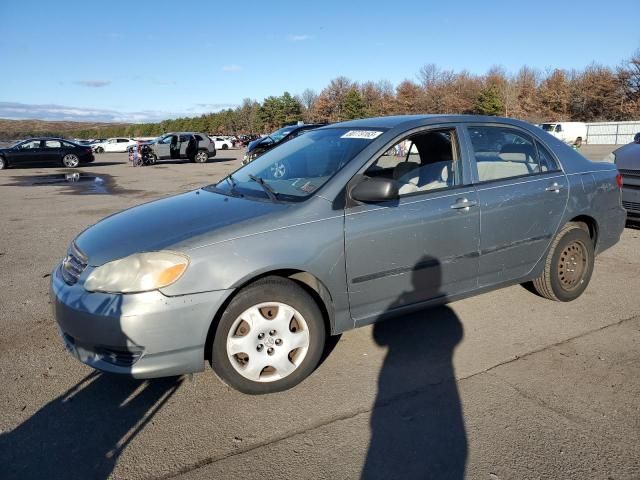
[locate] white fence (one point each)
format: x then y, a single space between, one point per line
611 133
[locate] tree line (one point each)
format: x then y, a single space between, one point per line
595 93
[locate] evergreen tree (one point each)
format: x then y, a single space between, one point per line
489 101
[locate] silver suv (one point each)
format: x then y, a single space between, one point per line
197 147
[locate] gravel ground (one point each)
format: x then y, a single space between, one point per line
503 385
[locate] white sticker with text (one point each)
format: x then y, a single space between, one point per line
366 134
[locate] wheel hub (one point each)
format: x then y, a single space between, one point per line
268 342
572 265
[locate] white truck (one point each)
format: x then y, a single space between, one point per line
573 133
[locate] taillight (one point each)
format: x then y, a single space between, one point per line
619 180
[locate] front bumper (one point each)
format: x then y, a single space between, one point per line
143 335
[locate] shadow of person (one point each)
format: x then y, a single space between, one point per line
417 425
82 433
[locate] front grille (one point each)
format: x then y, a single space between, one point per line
630 179
631 206
73 264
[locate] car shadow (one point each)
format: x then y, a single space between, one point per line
52 165
82 433
417 424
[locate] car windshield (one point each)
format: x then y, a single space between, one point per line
280 134
548 127
298 168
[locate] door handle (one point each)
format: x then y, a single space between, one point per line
463 204
554 187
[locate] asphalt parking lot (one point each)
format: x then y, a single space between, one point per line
504 385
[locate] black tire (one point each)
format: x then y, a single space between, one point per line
225 146
99 150
568 266
3 163
269 289
201 156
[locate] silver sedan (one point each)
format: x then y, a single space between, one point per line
370 219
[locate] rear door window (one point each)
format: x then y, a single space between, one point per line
502 152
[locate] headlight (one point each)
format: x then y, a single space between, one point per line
141 272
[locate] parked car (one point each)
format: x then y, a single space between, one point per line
627 159
573 133
221 143
119 144
197 147
266 143
373 219
45 150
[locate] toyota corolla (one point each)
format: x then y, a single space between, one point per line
373 219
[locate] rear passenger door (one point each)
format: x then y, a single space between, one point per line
523 195
52 151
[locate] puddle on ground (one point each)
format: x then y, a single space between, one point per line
78 183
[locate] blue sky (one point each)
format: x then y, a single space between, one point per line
139 61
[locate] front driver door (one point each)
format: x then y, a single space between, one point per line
162 149
26 153
423 246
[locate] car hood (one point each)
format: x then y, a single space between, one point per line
255 143
628 157
180 222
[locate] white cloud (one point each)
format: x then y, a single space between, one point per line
93 83
23 111
298 38
231 68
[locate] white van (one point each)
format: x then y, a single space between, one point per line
573 133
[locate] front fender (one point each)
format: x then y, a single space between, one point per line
316 247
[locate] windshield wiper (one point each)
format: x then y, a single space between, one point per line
273 195
231 180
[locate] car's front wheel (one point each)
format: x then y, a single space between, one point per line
99 150
3 163
270 337
569 264
225 146
70 160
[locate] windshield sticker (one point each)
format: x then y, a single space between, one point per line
365 134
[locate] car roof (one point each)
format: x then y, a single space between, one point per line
46 138
409 121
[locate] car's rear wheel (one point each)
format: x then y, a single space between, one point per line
568 266
225 146
99 150
269 338
202 156
3 163
70 160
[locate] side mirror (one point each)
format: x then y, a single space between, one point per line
371 190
